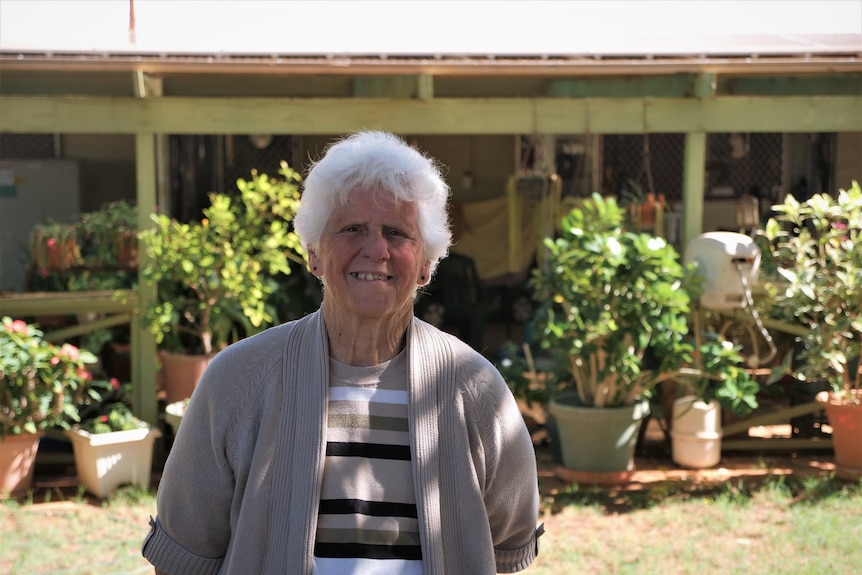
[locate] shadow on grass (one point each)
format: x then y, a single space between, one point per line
628 498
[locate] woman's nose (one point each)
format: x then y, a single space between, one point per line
376 247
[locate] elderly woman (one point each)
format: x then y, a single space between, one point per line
358 439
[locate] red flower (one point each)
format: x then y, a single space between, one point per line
115 383
17 326
103 419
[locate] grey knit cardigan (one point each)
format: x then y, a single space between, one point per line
241 485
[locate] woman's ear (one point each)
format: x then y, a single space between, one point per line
314 265
425 274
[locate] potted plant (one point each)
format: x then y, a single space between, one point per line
215 276
41 385
174 413
615 306
109 236
533 382
55 246
816 249
112 447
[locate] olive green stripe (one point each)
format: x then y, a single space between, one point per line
374 422
367 537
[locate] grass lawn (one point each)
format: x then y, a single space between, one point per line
778 526
763 517
71 535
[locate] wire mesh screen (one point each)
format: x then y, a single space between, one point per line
262 153
200 164
653 163
26 146
739 164
573 163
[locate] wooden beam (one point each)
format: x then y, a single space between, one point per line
30 303
404 86
104 322
776 443
705 85
776 417
845 84
667 86
324 116
424 86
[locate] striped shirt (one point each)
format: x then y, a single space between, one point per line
367 520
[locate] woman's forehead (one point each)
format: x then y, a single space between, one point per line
376 200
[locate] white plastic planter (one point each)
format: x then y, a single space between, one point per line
696 433
105 461
174 414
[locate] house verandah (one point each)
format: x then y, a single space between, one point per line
703 131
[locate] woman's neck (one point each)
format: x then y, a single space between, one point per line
363 341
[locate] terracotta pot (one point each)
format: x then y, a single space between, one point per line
181 373
127 251
61 256
846 423
17 463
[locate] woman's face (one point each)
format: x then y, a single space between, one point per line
372 257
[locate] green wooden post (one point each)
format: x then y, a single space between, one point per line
694 168
143 342
694 172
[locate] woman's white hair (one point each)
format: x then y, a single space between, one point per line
378 162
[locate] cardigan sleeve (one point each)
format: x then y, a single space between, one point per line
202 485
192 530
512 487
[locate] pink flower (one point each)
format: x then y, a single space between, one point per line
17 326
51 243
55 360
70 351
115 383
104 419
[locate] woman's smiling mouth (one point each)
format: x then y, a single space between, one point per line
370 277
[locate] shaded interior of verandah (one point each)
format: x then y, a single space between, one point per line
149 119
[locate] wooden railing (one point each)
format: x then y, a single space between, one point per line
115 307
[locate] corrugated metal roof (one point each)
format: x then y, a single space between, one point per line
483 30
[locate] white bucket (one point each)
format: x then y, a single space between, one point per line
696 433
